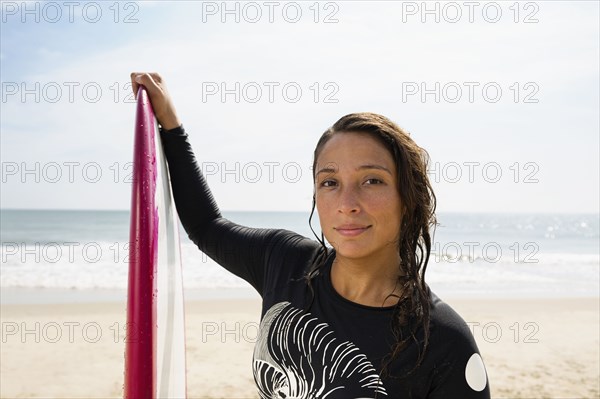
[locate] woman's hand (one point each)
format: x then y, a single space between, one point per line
163 107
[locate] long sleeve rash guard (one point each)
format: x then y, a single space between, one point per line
336 348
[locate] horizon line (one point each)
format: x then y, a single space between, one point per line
307 211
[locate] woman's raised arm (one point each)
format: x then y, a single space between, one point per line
253 254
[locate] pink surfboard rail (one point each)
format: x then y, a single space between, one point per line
140 352
155 329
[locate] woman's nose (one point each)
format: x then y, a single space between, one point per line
348 200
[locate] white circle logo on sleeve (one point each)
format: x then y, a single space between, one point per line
475 373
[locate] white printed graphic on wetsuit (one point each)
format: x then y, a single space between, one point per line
297 357
475 373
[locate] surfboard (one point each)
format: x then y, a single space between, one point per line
155 330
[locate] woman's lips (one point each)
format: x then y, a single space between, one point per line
351 230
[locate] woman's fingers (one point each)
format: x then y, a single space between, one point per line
162 104
134 83
150 80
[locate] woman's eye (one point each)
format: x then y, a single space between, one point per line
373 181
327 183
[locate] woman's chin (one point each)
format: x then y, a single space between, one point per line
350 250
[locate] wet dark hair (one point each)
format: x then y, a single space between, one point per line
414 246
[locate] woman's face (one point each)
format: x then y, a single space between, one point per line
357 197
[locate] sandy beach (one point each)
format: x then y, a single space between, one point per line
532 348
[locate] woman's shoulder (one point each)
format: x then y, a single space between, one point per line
458 366
446 324
292 242
292 250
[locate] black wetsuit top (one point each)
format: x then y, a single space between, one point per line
335 350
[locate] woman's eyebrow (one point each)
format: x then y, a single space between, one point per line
374 166
327 170
362 167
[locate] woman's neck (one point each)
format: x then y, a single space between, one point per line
369 281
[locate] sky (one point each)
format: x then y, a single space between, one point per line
504 96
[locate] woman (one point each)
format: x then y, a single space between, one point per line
356 320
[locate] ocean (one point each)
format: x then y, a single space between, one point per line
83 255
